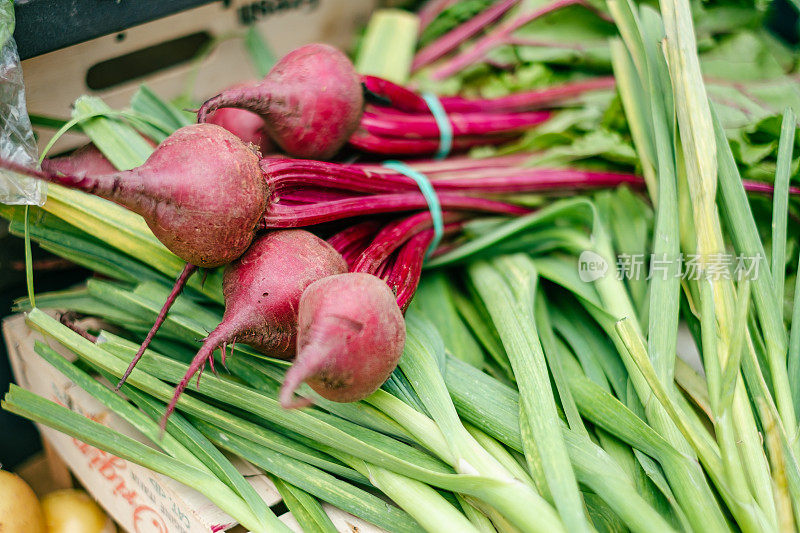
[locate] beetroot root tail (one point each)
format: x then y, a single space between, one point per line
209 106
184 276
215 339
197 364
295 376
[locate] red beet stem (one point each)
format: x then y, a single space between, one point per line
528 100
430 10
408 101
301 196
456 163
69 321
498 37
396 254
465 175
393 236
450 41
278 216
400 97
352 241
413 126
535 180
293 175
403 278
180 283
355 233
765 188
377 144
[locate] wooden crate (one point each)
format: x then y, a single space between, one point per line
138 499
54 80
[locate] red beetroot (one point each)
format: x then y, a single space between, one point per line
350 336
246 125
201 192
311 100
263 291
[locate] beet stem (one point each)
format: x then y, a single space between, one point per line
187 271
280 216
430 10
451 40
498 37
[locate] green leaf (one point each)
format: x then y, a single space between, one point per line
314 481
148 103
118 141
507 288
433 300
781 201
305 508
422 363
260 53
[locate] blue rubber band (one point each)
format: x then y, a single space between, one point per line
442 122
427 190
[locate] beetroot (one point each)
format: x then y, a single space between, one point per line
262 291
246 125
201 192
350 336
311 100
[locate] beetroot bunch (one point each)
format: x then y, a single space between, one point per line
335 306
206 194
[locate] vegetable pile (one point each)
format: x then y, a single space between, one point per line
505 358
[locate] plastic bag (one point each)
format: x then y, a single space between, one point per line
17 142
